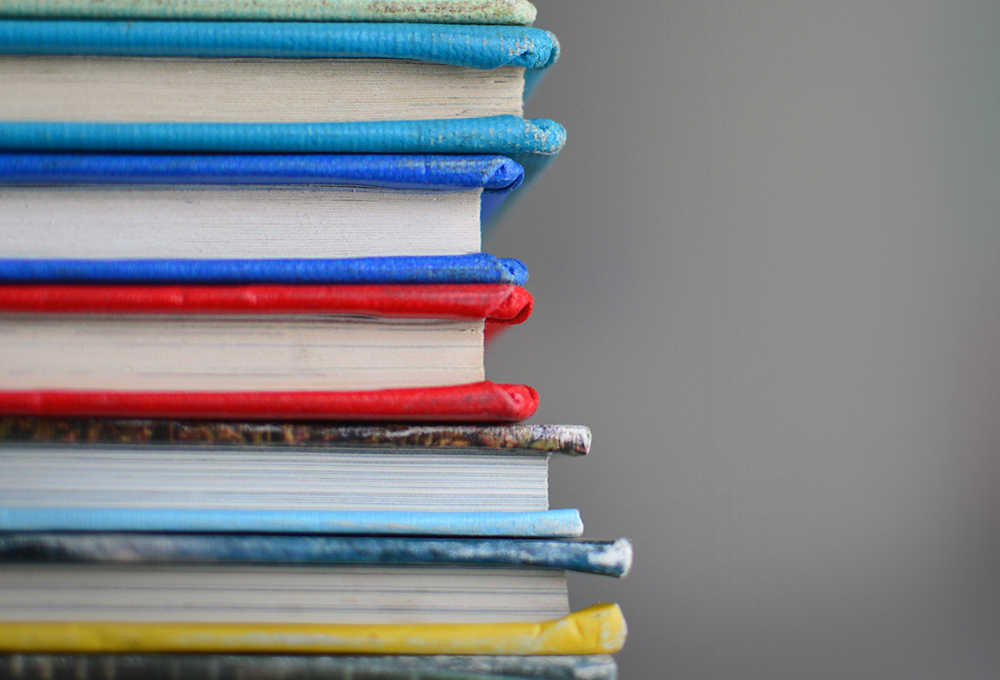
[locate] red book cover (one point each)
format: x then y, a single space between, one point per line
500 304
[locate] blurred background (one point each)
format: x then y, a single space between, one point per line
767 275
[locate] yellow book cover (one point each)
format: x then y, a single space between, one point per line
599 629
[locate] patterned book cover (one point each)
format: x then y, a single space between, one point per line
564 439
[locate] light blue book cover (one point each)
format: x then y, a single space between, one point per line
547 524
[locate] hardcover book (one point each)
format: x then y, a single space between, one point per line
265 72
252 87
142 475
247 207
303 352
517 12
168 465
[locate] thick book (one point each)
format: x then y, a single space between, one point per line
303 667
48 115
386 353
515 12
599 629
247 207
139 465
265 72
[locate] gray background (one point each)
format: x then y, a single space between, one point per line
766 275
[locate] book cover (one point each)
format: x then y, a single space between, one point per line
474 268
501 303
608 558
472 46
599 629
563 523
481 402
304 667
571 440
514 12
497 176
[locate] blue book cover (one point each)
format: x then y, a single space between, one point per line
608 558
546 524
497 176
473 268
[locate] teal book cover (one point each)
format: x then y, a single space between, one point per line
513 12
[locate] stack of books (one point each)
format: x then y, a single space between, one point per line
245 429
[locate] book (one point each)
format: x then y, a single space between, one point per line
309 466
303 667
49 578
375 352
259 338
265 72
142 475
469 49
518 12
247 207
